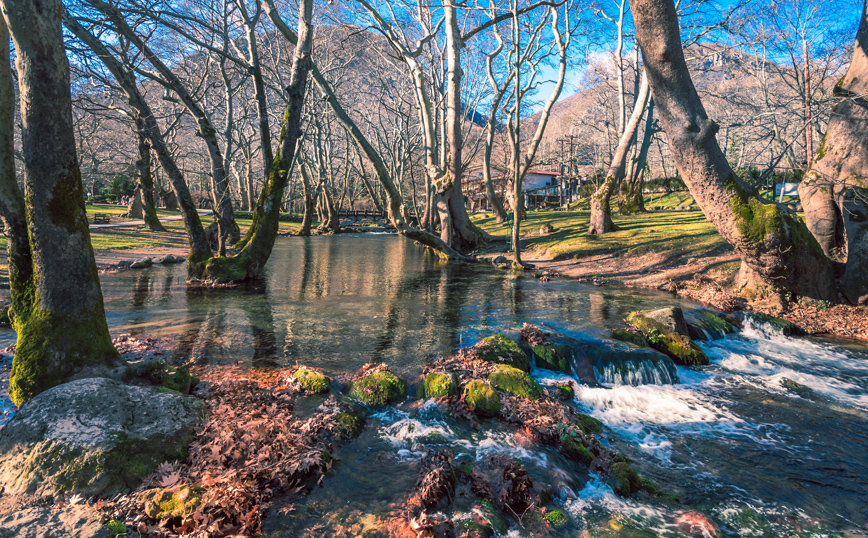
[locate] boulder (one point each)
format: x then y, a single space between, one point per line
73 521
168 259
709 326
666 336
94 437
546 229
556 357
438 384
125 263
499 260
141 263
502 350
480 398
515 381
309 380
672 317
377 389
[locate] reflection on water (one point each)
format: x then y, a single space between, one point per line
338 302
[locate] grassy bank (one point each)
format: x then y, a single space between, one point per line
679 233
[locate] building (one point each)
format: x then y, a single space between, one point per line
541 188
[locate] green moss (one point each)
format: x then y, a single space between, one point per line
492 516
557 519
436 385
312 381
680 348
553 357
172 503
180 380
624 479
716 322
588 423
378 389
501 350
566 391
115 528
782 325
52 347
350 425
627 336
481 398
755 219
822 151
574 449
515 382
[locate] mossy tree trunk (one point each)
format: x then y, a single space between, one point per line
601 208
145 179
249 263
179 197
12 209
840 170
59 317
307 217
779 256
631 198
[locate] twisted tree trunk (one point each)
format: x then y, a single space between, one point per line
779 255
145 179
60 333
839 171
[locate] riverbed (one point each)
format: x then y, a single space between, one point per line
768 440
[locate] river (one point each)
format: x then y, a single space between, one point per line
730 440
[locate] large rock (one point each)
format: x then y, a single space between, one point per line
94 437
141 263
666 336
74 521
621 363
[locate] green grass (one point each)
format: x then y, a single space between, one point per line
675 233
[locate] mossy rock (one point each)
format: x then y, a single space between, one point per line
588 424
557 519
681 349
480 398
350 425
624 479
502 350
710 326
4 315
515 382
488 517
378 389
173 502
115 528
575 450
180 380
631 337
437 384
160 374
566 392
312 381
554 357
785 327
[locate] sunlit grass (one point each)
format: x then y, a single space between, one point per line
680 233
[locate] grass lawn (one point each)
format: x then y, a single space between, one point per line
683 233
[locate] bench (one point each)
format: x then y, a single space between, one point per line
101 218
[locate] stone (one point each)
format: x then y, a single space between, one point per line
438 384
125 263
73 521
672 317
556 357
178 501
311 381
515 381
500 260
546 229
480 398
168 259
94 437
502 350
141 263
663 338
623 479
377 389
709 326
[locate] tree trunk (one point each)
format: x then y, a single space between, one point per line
838 171
249 263
307 218
632 198
60 333
145 179
601 209
779 256
12 209
179 197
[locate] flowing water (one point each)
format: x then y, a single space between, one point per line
770 440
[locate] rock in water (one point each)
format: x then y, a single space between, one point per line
168 259
141 263
94 437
